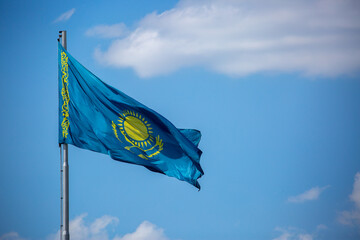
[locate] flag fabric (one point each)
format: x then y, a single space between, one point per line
98 117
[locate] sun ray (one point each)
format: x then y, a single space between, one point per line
136 129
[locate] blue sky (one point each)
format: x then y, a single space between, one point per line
273 86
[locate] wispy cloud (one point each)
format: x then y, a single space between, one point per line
11 236
292 233
353 216
284 236
321 227
311 194
107 31
100 229
319 37
65 16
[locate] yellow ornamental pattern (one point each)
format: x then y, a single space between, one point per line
65 94
115 131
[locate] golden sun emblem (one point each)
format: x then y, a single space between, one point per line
138 132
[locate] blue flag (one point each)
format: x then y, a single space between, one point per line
98 117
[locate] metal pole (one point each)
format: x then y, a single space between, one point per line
65 233
61 193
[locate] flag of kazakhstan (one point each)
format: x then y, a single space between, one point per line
98 117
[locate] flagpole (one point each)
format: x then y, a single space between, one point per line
65 229
66 233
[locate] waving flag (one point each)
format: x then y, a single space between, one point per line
98 117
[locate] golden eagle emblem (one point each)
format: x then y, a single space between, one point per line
138 132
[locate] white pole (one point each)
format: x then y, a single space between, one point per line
65 230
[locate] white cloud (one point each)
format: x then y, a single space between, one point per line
65 16
292 233
353 216
311 194
283 236
107 31
241 37
99 230
101 223
355 195
146 231
11 236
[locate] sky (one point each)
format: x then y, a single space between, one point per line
273 86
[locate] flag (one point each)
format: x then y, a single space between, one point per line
100 118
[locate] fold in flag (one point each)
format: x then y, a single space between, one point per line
98 117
